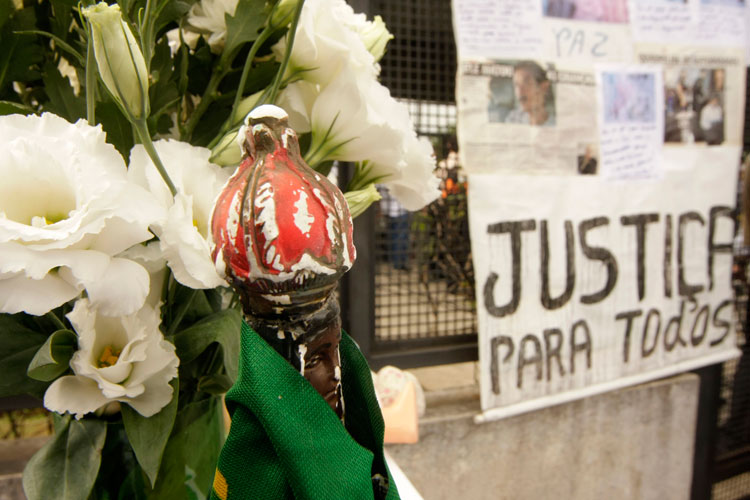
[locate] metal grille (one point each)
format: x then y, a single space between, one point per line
732 456
421 59
424 283
423 277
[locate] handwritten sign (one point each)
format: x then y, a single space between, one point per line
662 21
498 28
584 285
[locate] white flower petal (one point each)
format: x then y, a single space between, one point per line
186 251
37 297
121 289
184 230
73 394
152 400
151 258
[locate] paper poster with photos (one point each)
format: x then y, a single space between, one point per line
602 140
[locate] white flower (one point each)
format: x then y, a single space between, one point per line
123 359
325 43
119 59
356 119
413 182
183 232
66 208
208 17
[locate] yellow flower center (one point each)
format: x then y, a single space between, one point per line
108 357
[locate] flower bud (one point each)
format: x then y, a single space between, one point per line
375 36
227 151
119 59
283 13
361 199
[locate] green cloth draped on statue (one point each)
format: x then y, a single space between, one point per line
286 442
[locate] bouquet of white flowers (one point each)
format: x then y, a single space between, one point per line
119 125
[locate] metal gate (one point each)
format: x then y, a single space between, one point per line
420 309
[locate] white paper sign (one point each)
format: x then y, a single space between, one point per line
585 285
664 21
495 28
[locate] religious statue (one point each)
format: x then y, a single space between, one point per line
305 420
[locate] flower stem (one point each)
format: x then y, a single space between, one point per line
287 53
142 129
206 99
90 83
245 73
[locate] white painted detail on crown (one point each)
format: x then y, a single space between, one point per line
267 213
307 263
267 110
278 299
301 350
302 218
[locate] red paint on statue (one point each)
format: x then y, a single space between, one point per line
278 226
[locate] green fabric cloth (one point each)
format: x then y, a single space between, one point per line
285 442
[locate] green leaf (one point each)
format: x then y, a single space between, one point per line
62 16
66 467
10 108
148 436
216 384
243 27
192 452
170 10
116 125
59 42
53 358
20 54
18 345
62 99
6 11
222 327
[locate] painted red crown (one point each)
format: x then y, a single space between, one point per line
282 232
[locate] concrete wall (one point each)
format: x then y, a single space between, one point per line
635 443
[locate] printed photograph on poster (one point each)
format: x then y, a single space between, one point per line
603 11
588 158
628 98
522 116
694 105
525 95
630 121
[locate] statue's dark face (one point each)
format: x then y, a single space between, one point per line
323 366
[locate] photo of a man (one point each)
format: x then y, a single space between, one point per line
527 98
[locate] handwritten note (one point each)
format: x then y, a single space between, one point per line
498 29
660 21
721 24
